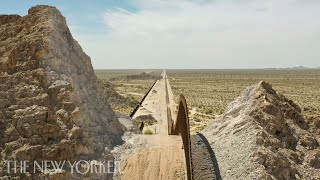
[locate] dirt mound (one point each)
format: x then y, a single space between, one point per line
262 135
141 76
50 104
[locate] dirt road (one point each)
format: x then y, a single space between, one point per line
160 156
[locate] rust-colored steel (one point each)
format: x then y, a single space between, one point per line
181 126
140 103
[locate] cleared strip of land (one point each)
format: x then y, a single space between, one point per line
163 156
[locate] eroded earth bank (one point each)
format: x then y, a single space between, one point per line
50 104
263 135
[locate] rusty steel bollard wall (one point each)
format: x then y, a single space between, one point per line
181 126
144 97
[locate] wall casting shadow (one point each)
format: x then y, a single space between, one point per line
212 156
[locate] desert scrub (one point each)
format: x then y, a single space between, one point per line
215 89
196 119
148 132
208 111
148 120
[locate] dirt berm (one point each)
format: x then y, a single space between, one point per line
50 102
262 135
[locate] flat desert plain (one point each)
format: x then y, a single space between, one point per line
208 92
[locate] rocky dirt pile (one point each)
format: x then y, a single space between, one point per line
262 135
50 104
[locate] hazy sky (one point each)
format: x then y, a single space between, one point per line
191 33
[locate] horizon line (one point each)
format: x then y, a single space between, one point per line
289 68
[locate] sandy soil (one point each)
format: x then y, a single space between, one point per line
157 156
136 94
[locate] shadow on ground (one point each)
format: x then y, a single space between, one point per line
205 165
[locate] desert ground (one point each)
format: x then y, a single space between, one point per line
265 119
133 89
208 92
225 113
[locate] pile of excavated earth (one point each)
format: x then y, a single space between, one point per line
51 108
263 135
50 104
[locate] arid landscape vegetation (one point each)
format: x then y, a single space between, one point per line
132 85
208 92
